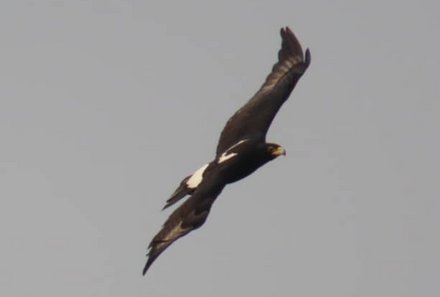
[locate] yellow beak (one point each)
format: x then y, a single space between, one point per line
279 151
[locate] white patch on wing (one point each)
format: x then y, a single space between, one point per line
196 178
225 156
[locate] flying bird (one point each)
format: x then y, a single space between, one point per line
242 148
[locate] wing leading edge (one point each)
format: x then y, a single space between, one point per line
253 120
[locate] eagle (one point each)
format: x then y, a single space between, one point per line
241 149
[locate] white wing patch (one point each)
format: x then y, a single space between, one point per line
225 156
196 178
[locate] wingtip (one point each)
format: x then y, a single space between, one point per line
308 58
284 31
148 264
287 34
144 271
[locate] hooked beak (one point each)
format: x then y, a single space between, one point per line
279 151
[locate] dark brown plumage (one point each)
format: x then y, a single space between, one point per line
241 149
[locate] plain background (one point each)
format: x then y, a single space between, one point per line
105 105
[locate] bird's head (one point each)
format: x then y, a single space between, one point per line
274 150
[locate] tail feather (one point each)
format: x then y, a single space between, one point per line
179 193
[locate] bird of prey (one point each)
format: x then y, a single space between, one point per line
242 148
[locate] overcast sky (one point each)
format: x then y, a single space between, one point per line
106 105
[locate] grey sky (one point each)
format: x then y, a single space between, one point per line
105 106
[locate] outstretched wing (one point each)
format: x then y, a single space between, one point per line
188 217
253 120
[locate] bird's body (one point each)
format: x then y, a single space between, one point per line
241 150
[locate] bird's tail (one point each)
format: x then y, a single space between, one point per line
179 193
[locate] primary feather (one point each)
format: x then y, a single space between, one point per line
241 149
254 118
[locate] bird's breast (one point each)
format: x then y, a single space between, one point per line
239 168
